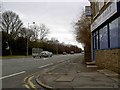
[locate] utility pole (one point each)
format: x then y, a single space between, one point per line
27 39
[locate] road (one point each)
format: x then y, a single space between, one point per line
15 70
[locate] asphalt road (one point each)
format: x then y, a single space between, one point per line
14 71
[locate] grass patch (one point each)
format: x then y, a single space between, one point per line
14 56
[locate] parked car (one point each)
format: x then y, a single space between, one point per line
71 52
46 54
82 52
64 53
50 54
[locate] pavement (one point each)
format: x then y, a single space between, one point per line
75 75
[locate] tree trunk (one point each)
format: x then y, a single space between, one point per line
87 53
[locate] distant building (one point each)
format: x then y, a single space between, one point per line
105 29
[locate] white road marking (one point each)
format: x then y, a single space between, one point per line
46 65
45 58
12 75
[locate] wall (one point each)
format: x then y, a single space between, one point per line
109 59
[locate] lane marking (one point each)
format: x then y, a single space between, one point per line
45 58
46 65
12 75
27 86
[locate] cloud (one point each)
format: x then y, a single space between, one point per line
62 37
58 17
44 0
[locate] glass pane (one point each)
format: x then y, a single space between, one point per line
119 32
104 38
114 33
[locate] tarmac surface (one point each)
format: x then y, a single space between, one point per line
76 75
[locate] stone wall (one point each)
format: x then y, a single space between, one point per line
109 59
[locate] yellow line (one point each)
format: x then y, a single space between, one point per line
27 86
25 79
29 81
31 84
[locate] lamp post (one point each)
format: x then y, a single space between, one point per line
27 40
34 28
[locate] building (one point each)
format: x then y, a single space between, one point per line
105 29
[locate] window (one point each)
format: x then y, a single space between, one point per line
96 7
119 32
113 26
95 40
103 35
104 38
101 4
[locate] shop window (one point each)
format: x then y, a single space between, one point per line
113 29
95 40
119 32
103 35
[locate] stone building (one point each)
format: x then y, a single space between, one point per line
105 29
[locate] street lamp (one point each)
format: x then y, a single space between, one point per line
34 26
27 38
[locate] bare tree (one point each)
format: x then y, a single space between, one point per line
82 27
40 31
83 34
43 31
29 33
11 22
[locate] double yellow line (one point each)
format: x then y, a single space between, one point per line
28 83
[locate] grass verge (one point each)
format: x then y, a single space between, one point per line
14 56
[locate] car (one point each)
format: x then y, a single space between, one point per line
50 54
82 52
64 53
46 54
71 52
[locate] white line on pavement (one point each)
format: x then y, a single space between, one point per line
46 65
12 75
45 58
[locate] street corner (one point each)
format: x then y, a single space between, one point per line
42 83
53 81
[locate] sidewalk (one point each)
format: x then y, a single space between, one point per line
74 75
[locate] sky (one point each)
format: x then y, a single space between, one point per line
58 16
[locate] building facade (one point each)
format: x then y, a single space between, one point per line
105 29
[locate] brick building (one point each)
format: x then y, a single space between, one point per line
105 29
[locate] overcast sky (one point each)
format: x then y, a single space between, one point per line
57 16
